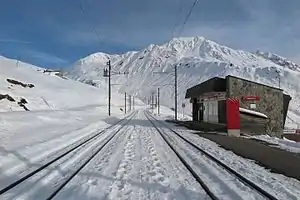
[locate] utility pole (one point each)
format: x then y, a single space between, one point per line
109 86
108 73
157 101
133 102
152 101
175 92
125 102
175 88
129 102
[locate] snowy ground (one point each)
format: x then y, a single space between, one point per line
281 186
27 138
284 143
136 164
50 92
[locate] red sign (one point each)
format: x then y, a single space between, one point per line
251 98
233 113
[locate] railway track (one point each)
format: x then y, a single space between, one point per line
82 145
245 181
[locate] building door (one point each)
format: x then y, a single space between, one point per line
214 116
195 110
200 113
210 113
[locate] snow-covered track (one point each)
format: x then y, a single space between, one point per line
83 144
195 175
240 177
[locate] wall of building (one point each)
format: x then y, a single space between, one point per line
286 102
252 125
270 103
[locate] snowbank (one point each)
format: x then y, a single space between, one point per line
49 92
284 143
252 112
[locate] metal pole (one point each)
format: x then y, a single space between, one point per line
125 102
129 102
133 102
175 92
152 101
109 86
158 101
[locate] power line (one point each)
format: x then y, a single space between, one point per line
93 28
177 22
188 16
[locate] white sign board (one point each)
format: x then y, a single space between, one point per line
252 106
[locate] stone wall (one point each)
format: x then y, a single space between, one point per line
270 103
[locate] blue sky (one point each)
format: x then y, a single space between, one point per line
55 33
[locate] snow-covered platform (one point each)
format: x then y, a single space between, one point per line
275 159
202 126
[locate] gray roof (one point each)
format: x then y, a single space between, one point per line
215 84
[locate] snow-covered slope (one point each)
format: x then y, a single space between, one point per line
279 60
199 60
47 91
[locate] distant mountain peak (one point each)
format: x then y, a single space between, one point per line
279 60
199 59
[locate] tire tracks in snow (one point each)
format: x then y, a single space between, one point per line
121 189
52 177
142 174
97 173
222 183
182 184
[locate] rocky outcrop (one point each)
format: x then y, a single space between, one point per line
6 96
21 103
19 83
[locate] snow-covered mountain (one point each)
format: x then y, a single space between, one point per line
198 59
23 86
279 60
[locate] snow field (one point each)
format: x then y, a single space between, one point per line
223 184
288 145
49 92
24 142
54 175
137 165
281 186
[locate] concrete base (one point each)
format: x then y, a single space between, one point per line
234 132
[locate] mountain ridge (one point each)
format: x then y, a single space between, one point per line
199 59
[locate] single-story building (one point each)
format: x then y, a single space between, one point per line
262 108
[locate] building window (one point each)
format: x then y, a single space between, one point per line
252 106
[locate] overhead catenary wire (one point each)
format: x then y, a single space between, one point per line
93 27
187 17
177 22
